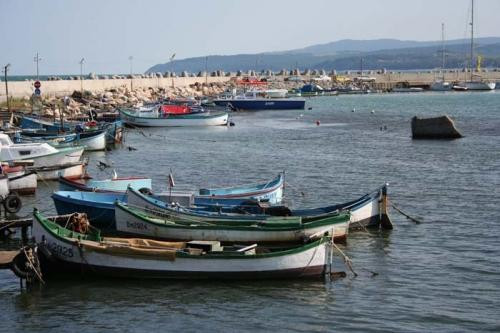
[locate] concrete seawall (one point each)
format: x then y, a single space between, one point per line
66 87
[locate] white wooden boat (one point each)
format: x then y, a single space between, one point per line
92 141
177 120
21 181
87 253
4 186
274 229
69 170
42 154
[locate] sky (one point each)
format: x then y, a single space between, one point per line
107 32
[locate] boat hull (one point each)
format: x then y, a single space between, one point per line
267 104
109 185
71 256
99 207
24 183
201 119
131 223
479 85
63 157
69 170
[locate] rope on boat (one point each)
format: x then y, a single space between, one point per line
33 264
404 214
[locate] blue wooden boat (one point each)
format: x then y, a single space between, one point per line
47 127
118 184
370 210
270 192
91 140
99 207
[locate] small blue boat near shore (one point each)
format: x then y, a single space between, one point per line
48 128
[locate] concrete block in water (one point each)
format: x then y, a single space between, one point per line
434 128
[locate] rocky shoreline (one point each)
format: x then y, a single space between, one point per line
81 102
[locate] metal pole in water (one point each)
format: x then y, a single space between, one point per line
131 58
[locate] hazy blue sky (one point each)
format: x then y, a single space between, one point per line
107 32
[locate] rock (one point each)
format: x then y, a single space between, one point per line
77 94
434 128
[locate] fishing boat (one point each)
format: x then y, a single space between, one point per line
42 154
31 122
137 222
90 140
270 191
4 186
75 170
21 181
257 100
99 207
159 119
45 127
75 251
368 211
115 184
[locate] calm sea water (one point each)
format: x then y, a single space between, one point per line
442 275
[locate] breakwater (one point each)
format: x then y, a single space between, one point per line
382 81
66 87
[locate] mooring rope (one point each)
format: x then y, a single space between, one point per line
32 265
347 260
404 214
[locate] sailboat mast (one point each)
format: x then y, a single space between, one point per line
442 49
472 40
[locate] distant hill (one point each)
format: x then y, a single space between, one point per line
350 45
346 55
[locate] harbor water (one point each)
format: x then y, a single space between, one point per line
440 275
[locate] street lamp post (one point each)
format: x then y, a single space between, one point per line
131 58
5 69
37 59
206 71
172 69
81 74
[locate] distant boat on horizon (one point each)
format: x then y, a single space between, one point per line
475 82
441 84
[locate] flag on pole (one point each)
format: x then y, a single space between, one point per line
171 180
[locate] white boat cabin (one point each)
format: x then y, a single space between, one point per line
10 151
